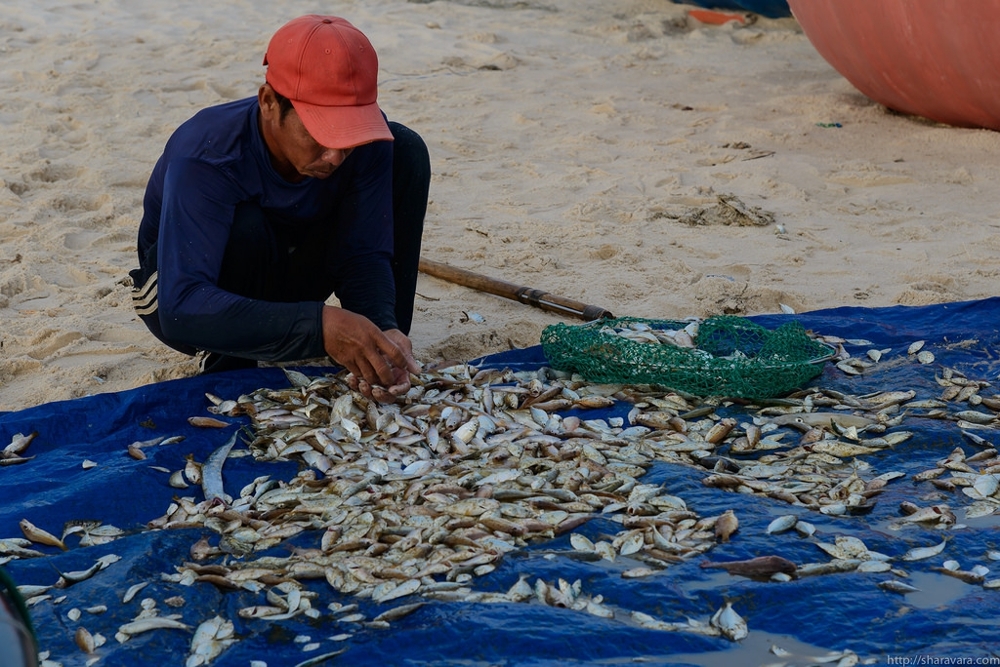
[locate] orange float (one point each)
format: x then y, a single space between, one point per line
931 58
714 17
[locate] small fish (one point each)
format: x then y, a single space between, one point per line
874 566
177 480
920 553
28 591
897 586
297 378
875 355
726 525
85 640
17 445
720 430
14 460
399 612
730 623
932 514
192 470
408 587
581 543
211 471
521 591
805 529
986 485
320 659
969 577
926 475
638 573
631 544
207 422
975 416
67 579
39 536
132 591
260 611
841 449
152 623
760 567
781 524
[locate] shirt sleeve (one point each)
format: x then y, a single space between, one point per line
199 202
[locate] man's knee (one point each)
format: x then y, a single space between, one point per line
410 155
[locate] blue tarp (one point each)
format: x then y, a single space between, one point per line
807 616
769 8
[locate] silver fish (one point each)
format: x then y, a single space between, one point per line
730 623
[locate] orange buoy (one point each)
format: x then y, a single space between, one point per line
932 58
714 17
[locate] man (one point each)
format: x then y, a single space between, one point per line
260 209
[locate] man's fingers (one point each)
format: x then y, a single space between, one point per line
395 355
412 366
375 370
382 359
354 374
399 339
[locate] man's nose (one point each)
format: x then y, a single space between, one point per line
335 156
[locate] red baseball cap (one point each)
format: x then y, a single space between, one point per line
329 71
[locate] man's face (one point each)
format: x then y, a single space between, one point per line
301 150
295 154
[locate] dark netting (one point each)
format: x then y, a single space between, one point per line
732 356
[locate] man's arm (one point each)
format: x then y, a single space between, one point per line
197 214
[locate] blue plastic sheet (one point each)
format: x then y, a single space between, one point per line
769 8
808 617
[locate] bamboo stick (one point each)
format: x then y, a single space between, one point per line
528 295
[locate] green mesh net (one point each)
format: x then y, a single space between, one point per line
731 356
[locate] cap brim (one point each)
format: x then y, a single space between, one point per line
343 127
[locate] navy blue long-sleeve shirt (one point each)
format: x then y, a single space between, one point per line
213 162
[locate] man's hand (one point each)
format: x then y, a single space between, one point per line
380 362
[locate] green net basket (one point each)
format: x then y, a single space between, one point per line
732 356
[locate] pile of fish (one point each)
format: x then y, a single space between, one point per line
422 496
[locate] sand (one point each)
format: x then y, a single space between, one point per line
578 147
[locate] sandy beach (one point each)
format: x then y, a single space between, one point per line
578 147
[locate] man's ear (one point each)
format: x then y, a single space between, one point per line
268 102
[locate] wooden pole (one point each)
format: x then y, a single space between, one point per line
528 295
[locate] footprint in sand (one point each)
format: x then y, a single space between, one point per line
49 342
